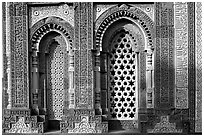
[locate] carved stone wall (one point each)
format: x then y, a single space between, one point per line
62 10
164 126
164 59
83 55
170 64
181 52
6 98
21 121
19 55
191 64
198 36
114 14
82 119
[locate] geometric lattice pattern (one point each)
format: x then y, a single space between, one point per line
122 78
56 82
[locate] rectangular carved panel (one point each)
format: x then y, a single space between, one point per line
198 107
191 64
181 41
164 62
20 55
84 43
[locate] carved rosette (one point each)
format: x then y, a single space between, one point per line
64 11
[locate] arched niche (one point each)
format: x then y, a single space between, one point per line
51 49
140 31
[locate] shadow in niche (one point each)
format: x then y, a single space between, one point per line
53 46
53 125
117 127
48 46
114 125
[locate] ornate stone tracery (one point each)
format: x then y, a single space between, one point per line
80 49
133 14
118 13
164 126
181 41
122 76
52 25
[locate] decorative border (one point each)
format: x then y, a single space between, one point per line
164 58
19 55
164 126
77 50
51 24
181 53
62 10
90 57
5 42
198 108
191 64
83 55
115 13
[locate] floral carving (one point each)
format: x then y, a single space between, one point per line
164 126
84 126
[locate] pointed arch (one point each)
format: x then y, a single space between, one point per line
54 27
124 11
46 25
106 25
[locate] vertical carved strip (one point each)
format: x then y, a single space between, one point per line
83 55
157 56
7 56
198 30
149 78
97 82
35 78
71 82
5 66
164 55
85 72
25 52
171 55
164 92
181 53
90 56
142 58
76 52
11 8
191 64
20 55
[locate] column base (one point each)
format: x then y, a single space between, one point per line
20 121
83 121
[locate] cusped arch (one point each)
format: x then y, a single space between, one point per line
134 31
49 24
116 13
